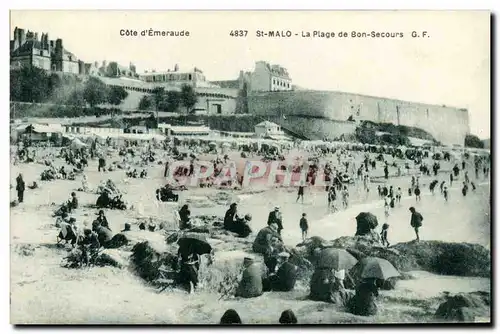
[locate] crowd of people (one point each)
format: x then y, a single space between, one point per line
277 272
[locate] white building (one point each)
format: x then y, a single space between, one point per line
266 78
269 130
175 77
191 131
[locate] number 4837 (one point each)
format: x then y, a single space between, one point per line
238 33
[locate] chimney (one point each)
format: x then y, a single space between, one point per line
16 38
47 45
36 37
176 68
59 44
22 37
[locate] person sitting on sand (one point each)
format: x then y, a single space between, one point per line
321 284
104 235
89 246
144 174
73 202
285 277
85 184
230 217
263 241
338 294
251 283
102 220
62 171
288 318
242 226
68 231
363 302
230 317
185 217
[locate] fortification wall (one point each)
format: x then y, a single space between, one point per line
447 124
315 128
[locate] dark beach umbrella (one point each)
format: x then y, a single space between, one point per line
198 244
367 218
374 267
335 258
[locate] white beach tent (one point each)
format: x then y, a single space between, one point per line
77 144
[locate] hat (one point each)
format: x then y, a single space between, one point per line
412 208
248 217
72 220
284 254
274 227
340 274
127 227
385 226
288 317
99 213
276 208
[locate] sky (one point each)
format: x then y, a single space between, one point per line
450 65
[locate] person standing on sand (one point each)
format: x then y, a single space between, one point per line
165 172
451 179
102 164
416 221
332 197
417 194
304 226
300 193
386 208
383 235
445 193
465 188
399 194
275 218
20 187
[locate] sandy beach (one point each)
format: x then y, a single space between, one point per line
44 292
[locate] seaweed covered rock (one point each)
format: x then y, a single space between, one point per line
147 261
464 307
113 257
444 258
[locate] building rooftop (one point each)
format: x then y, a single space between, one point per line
266 123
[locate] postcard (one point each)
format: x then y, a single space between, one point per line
250 167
